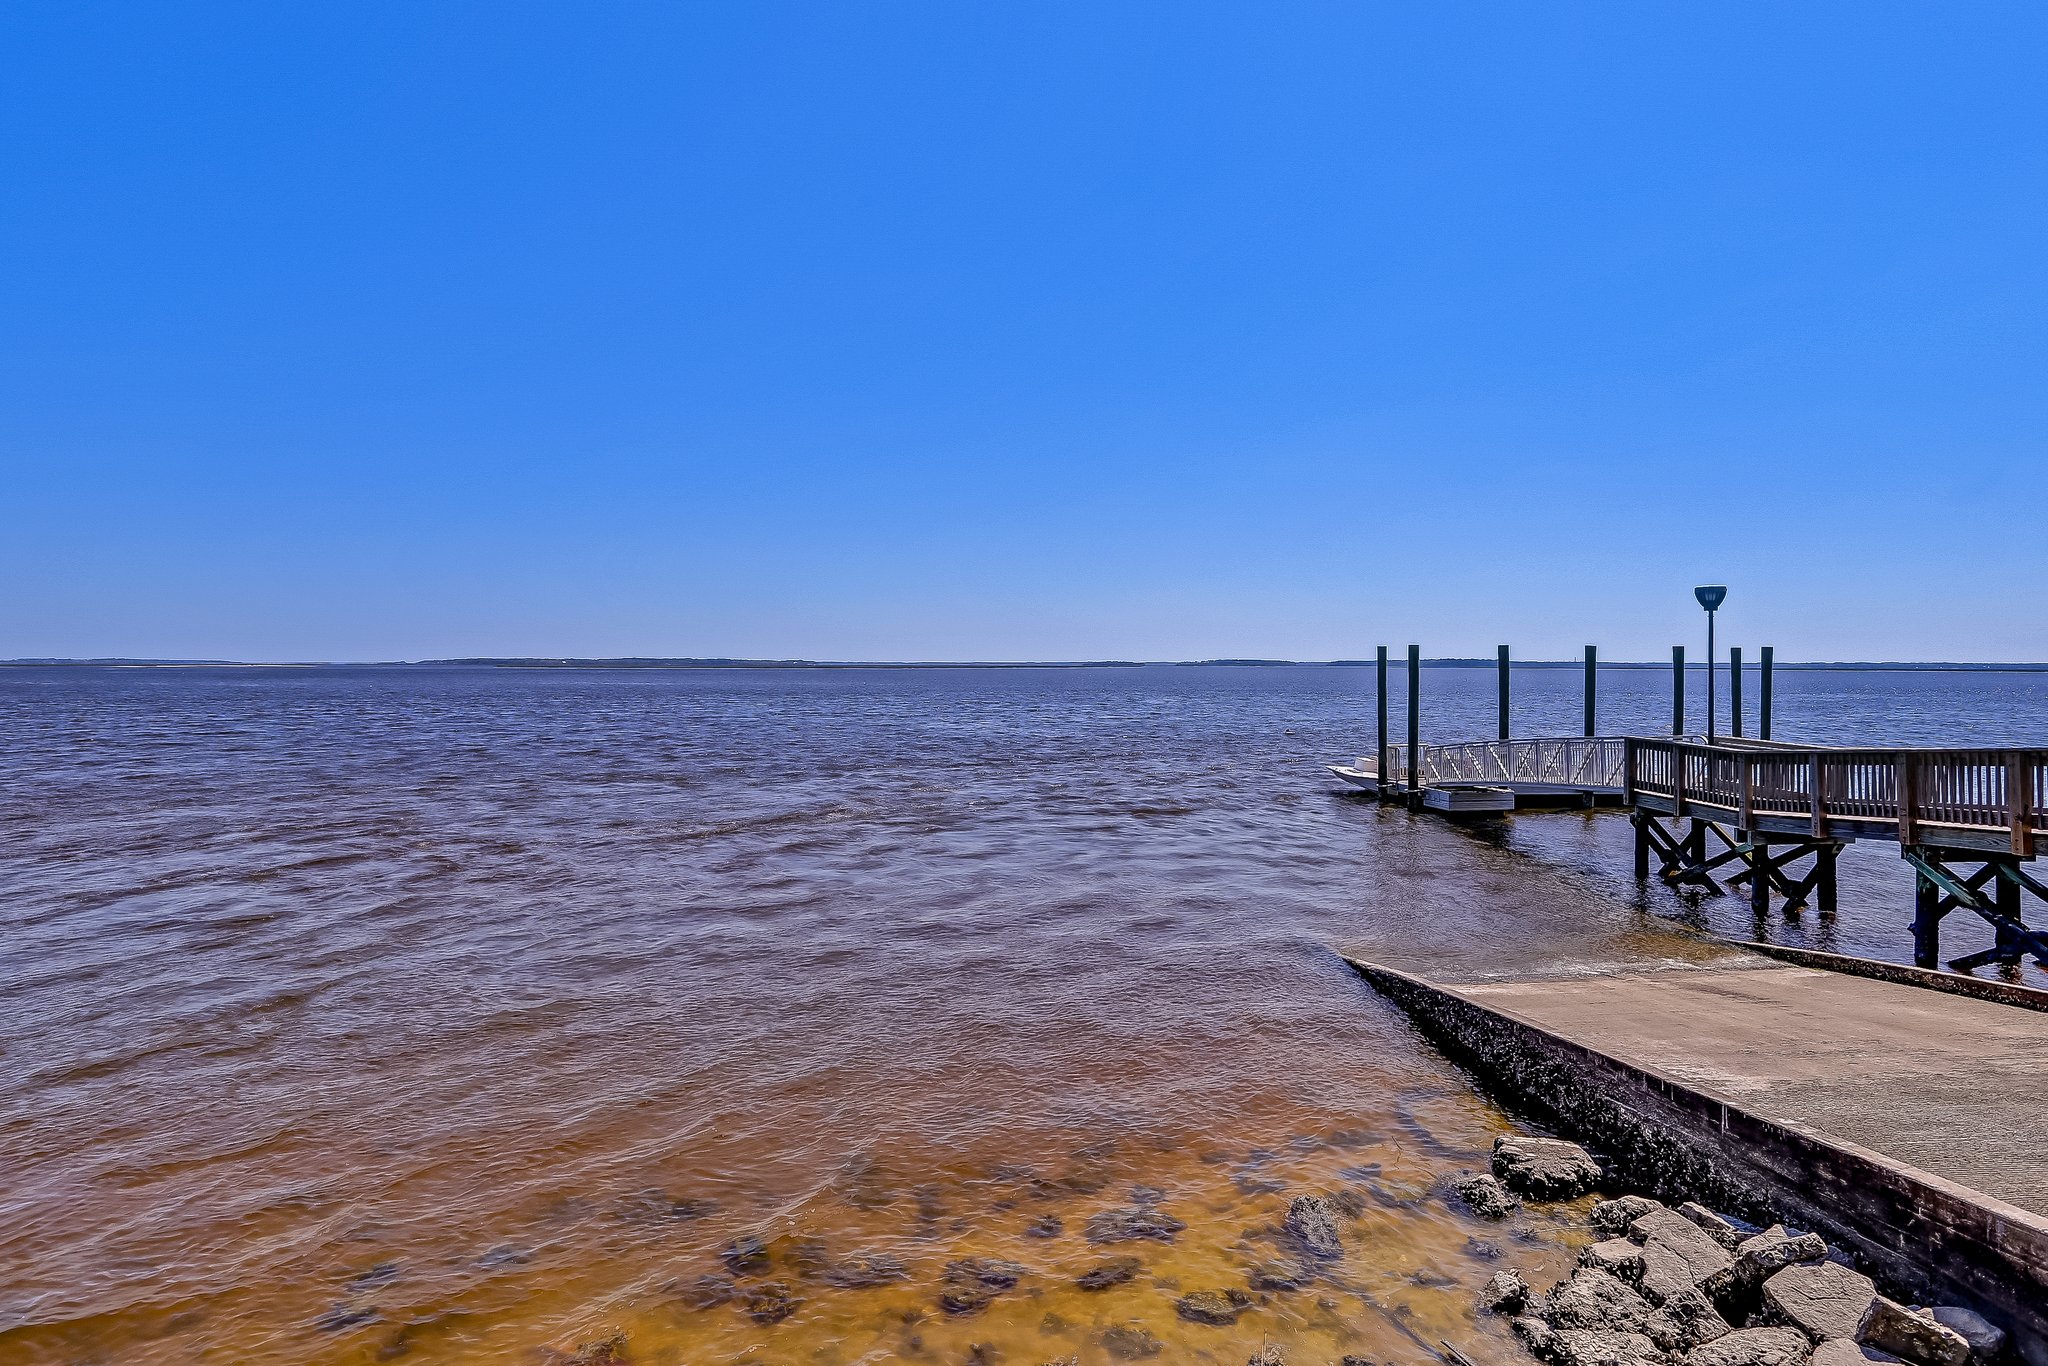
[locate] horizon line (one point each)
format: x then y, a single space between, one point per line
725 663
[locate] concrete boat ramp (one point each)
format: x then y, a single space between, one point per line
1910 1125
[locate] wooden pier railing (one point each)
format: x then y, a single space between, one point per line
1983 799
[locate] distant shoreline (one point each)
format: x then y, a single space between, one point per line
627 664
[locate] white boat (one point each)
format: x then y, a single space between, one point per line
1361 773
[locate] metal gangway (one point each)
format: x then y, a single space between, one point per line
1588 766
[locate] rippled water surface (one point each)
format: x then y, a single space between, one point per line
470 1015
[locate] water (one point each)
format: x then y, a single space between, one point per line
466 1015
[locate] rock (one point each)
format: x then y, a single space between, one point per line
610 1351
1591 1299
1534 1332
972 1282
1487 1197
1045 1226
745 1256
1693 1320
1843 1352
1218 1308
862 1270
1617 1257
1820 1299
1146 1195
1596 1347
1312 1223
1986 1339
1776 1233
1612 1217
1677 1255
1129 1342
771 1303
1505 1293
1278 1276
1544 1168
1130 1225
1753 1347
1735 1288
708 1292
1268 1355
1891 1327
1115 1271
343 1317
1713 1225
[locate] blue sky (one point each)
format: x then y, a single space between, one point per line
894 330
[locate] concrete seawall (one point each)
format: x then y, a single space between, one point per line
1932 1239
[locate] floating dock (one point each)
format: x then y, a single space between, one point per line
1904 1123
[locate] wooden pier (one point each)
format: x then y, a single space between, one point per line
1772 815
1964 819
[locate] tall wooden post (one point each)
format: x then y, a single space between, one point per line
1503 665
1415 726
1735 691
1591 656
1678 690
1763 720
1383 723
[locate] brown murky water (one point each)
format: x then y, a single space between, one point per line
479 1015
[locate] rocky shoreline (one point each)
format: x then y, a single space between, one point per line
1687 1286
1661 1285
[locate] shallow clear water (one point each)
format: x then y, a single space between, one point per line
456 1015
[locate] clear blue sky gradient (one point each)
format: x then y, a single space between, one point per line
1029 330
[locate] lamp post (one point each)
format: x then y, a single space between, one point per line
1710 598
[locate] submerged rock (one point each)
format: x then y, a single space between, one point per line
1278 1276
1268 1355
343 1317
1312 1223
745 1256
606 1351
1218 1308
771 1302
1130 1342
1544 1168
1045 1226
709 1291
1753 1347
1116 1271
1486 1197
1130 1225
861 1270
972 1282
1820 1299
1891 1327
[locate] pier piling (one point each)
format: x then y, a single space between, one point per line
1735 691
1763 720
1592 657
1414 758
1503 667
1678 690
1381 771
